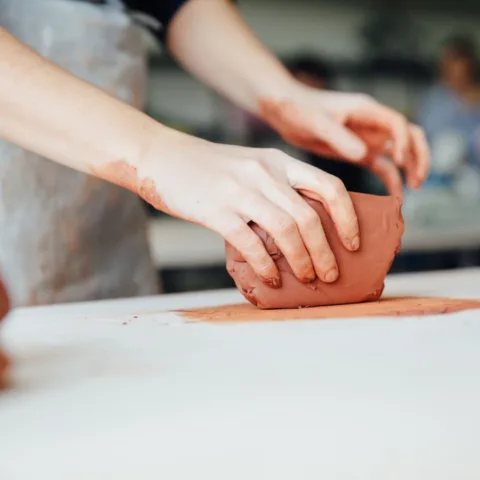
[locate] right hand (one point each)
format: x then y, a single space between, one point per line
225 187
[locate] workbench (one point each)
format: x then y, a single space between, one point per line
126 389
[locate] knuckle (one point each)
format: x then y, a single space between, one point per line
334 190
308 219
286 226
273 153
238 233
231 188
364 98
256 168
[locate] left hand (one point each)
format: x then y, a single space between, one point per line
352 127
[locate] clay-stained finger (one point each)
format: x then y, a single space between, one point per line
311 230
284 231
420 153
318 185
398 126
388 172
236 232
340 139
387 119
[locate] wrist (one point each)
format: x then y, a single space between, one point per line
125 161
285 90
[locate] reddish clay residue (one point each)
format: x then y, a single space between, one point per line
120 173
126 175
148 191
4 308
297 127
362 273
398 307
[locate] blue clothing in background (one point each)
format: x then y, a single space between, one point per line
444 110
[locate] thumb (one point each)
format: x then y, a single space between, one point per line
340 139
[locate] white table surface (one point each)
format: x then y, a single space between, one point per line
159 398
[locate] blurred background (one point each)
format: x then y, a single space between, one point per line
417 56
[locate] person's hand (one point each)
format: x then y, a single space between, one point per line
351 127
225 187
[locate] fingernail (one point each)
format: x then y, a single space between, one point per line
331 275
355 243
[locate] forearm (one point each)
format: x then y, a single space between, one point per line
211 40
50 112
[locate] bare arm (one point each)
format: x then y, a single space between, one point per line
49 111
211 40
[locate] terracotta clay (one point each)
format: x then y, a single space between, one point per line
398 307
4 308
362 273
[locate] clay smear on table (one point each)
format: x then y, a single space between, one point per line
394 306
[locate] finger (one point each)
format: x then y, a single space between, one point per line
379 115
342 140
236 232
311 230
420 152
329 190
376 139
284 231
389 174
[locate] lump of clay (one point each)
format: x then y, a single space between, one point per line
362 273
4 307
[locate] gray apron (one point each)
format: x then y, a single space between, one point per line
66 236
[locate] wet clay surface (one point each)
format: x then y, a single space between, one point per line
395 306
362 273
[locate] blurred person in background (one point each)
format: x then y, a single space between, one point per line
67 236
450 112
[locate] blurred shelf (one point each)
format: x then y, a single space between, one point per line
178 244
